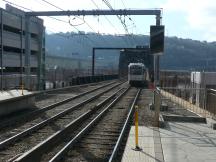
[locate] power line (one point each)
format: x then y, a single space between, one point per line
69 22
11 3
75 16
52 5
123 3
130 20
19 6
119 17
108 20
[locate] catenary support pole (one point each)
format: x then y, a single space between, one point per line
27 52
93 61
2 50
21 51
157 59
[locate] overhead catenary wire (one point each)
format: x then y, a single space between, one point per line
75 16
69 22
109 21
120 19
60 20
134 25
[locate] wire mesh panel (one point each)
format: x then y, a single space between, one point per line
193 91
211 102
13 81
185 99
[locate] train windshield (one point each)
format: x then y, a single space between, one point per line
136 70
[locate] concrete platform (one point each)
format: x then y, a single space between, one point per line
149 141
177 142
13 101
188 142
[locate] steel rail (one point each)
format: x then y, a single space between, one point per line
39 149
73 141
70 87
126 124
38 93
46 108
45 122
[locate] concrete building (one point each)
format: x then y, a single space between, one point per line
16 64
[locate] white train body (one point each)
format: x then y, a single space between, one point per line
137 74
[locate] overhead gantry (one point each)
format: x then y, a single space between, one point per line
124 12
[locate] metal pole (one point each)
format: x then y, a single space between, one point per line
93 61
157 59
39 59
27 51
43 60
157 105
21 53
2 50
55 79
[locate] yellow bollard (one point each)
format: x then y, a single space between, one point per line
137 148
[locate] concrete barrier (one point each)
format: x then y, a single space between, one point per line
13 101
178 118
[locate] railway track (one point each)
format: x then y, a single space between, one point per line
93 135
30 136
48 105
49 97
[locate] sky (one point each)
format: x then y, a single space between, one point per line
192 19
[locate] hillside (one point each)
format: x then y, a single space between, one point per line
181 54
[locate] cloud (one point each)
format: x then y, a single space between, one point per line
195 16
200 15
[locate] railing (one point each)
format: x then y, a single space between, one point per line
211 102
190 101
14 81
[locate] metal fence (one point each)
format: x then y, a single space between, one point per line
190 101
56 78
211 102
177 87
13 81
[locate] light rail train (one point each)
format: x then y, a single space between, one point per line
138 74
